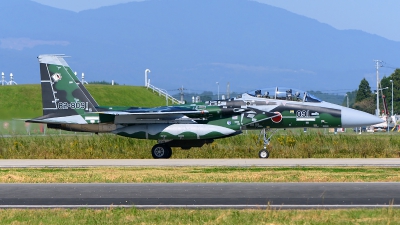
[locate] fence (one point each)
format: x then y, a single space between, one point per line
162 92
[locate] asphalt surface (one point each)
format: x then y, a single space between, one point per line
201 195
26 163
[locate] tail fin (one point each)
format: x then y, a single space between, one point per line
63 95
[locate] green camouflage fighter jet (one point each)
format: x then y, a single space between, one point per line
67 105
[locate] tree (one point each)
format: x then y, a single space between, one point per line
366 105
352 98
364 91
386 90
364 98
102 82
385 82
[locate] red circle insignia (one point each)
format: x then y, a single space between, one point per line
278 118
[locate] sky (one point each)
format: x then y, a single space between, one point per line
375 17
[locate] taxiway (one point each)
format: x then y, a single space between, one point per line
201 195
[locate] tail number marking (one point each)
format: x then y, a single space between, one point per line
73 105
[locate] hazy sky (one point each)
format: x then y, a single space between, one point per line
376 17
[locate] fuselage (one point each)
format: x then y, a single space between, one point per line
68 105
220 118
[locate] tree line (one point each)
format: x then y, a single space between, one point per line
364 98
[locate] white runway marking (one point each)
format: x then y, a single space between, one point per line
197 206
71 163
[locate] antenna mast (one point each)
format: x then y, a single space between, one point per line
378 64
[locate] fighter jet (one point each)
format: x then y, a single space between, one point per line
67 105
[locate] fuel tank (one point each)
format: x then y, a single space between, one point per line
174 131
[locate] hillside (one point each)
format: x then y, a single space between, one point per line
25 101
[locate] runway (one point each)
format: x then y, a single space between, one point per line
201 195
336 162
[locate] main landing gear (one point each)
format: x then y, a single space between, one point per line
263 153
161 151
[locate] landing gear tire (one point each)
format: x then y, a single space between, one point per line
263 153
161 152
169 152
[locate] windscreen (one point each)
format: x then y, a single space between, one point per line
283 93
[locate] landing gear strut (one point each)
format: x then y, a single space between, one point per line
263 153
161 151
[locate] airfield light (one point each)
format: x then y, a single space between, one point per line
83 79
12 80
3 81
146 83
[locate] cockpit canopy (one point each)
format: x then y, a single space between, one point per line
283 93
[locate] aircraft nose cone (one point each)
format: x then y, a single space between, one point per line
355 118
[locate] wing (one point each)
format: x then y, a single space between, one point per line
153 115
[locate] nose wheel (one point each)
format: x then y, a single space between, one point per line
263 153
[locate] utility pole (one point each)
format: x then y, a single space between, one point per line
218 89
378 64
391 81
181 92
227 90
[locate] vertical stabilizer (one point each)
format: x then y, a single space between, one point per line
63 95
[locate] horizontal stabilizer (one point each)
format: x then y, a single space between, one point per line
75 119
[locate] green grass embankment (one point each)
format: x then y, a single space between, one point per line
25 101
20 101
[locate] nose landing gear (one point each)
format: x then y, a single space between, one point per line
263 153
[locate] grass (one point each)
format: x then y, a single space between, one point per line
198 175
25 101
285 144
203 216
